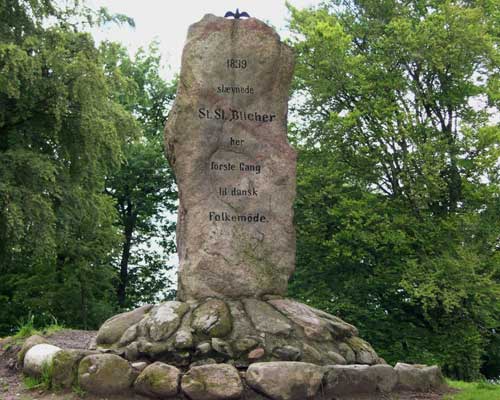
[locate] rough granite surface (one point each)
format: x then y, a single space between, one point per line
226 142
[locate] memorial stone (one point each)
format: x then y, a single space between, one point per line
226 141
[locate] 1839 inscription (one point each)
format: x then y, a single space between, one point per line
236 63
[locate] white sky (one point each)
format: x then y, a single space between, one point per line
168 21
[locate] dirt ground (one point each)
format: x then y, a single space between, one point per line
12 386
11 383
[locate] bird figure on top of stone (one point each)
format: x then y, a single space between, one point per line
237 14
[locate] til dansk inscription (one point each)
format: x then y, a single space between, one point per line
226 141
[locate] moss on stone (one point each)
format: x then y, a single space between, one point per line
213 319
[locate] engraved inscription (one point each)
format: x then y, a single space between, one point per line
242 167
230 166
235 115
236 63
225 191
223 89
224 216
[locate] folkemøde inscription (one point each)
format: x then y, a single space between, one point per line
227 217
226 140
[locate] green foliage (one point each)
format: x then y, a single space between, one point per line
31 382
474 391
40 382
26 328
398 207
143 188
52 328
78 391
47 373
61 134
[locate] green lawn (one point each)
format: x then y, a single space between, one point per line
474 391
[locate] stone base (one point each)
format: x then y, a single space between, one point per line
109 374
238 332
276 349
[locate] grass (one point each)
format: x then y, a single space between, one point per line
78 391
474 391
31 382
26 328
42 382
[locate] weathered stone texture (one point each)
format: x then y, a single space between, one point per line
65 366
285 380
212 382
158 380
112 330
105 374
39 357
220 141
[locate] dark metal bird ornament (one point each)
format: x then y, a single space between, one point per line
237 14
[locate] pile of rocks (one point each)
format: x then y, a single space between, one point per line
107 374
238 332
250 349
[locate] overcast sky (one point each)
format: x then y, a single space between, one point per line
168 21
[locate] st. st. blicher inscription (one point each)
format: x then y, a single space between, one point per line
226 141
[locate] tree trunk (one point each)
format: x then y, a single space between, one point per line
129 225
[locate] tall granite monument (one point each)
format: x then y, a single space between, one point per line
226 141
231 333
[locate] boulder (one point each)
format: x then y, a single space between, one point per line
105 374
364 352
385 376
222 347
266 318
419 378
212 382
158 380
38 358
347 353
314 327
183 339
286 380
341 380
212 318
346 380
336 358
256 354
164 319
112 330
310 354
65 366
244 344
287 353
338 327
28 344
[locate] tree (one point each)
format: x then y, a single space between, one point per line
398 194
143 188
61 134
